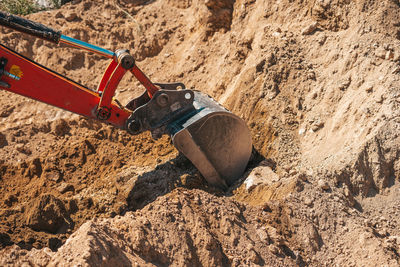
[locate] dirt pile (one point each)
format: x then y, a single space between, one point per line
317 83
210 230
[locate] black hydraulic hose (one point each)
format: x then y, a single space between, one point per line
29 27
48 34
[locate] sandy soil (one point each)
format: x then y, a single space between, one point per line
316 81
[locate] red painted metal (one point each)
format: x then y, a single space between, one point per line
150 87
106 76
111 86
40 83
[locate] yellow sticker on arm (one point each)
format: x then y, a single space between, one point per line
16 70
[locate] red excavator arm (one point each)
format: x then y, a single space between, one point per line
216 141
21 75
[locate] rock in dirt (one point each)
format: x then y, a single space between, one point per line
323 185
71 16
53 175
309 29
48 214
260 175
7 111
64 187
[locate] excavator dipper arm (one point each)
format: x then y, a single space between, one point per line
25 77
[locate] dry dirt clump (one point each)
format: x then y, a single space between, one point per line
316 81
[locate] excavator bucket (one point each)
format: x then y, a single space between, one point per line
216 141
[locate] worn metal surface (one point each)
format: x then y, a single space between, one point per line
221 142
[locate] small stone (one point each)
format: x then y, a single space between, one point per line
314 128
302 176
312 237
317 125
383 232
308 201
260 175
106 15
387 46
59 15
323 185
250 184
275 236
7 110
368 88
274 249
309 29
64 187
263 235
379 99
364 238
389 55
380 53
321 39
347 192
314 95
311 75
299 185
276 34
71 16
396 70
345 83
53 175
